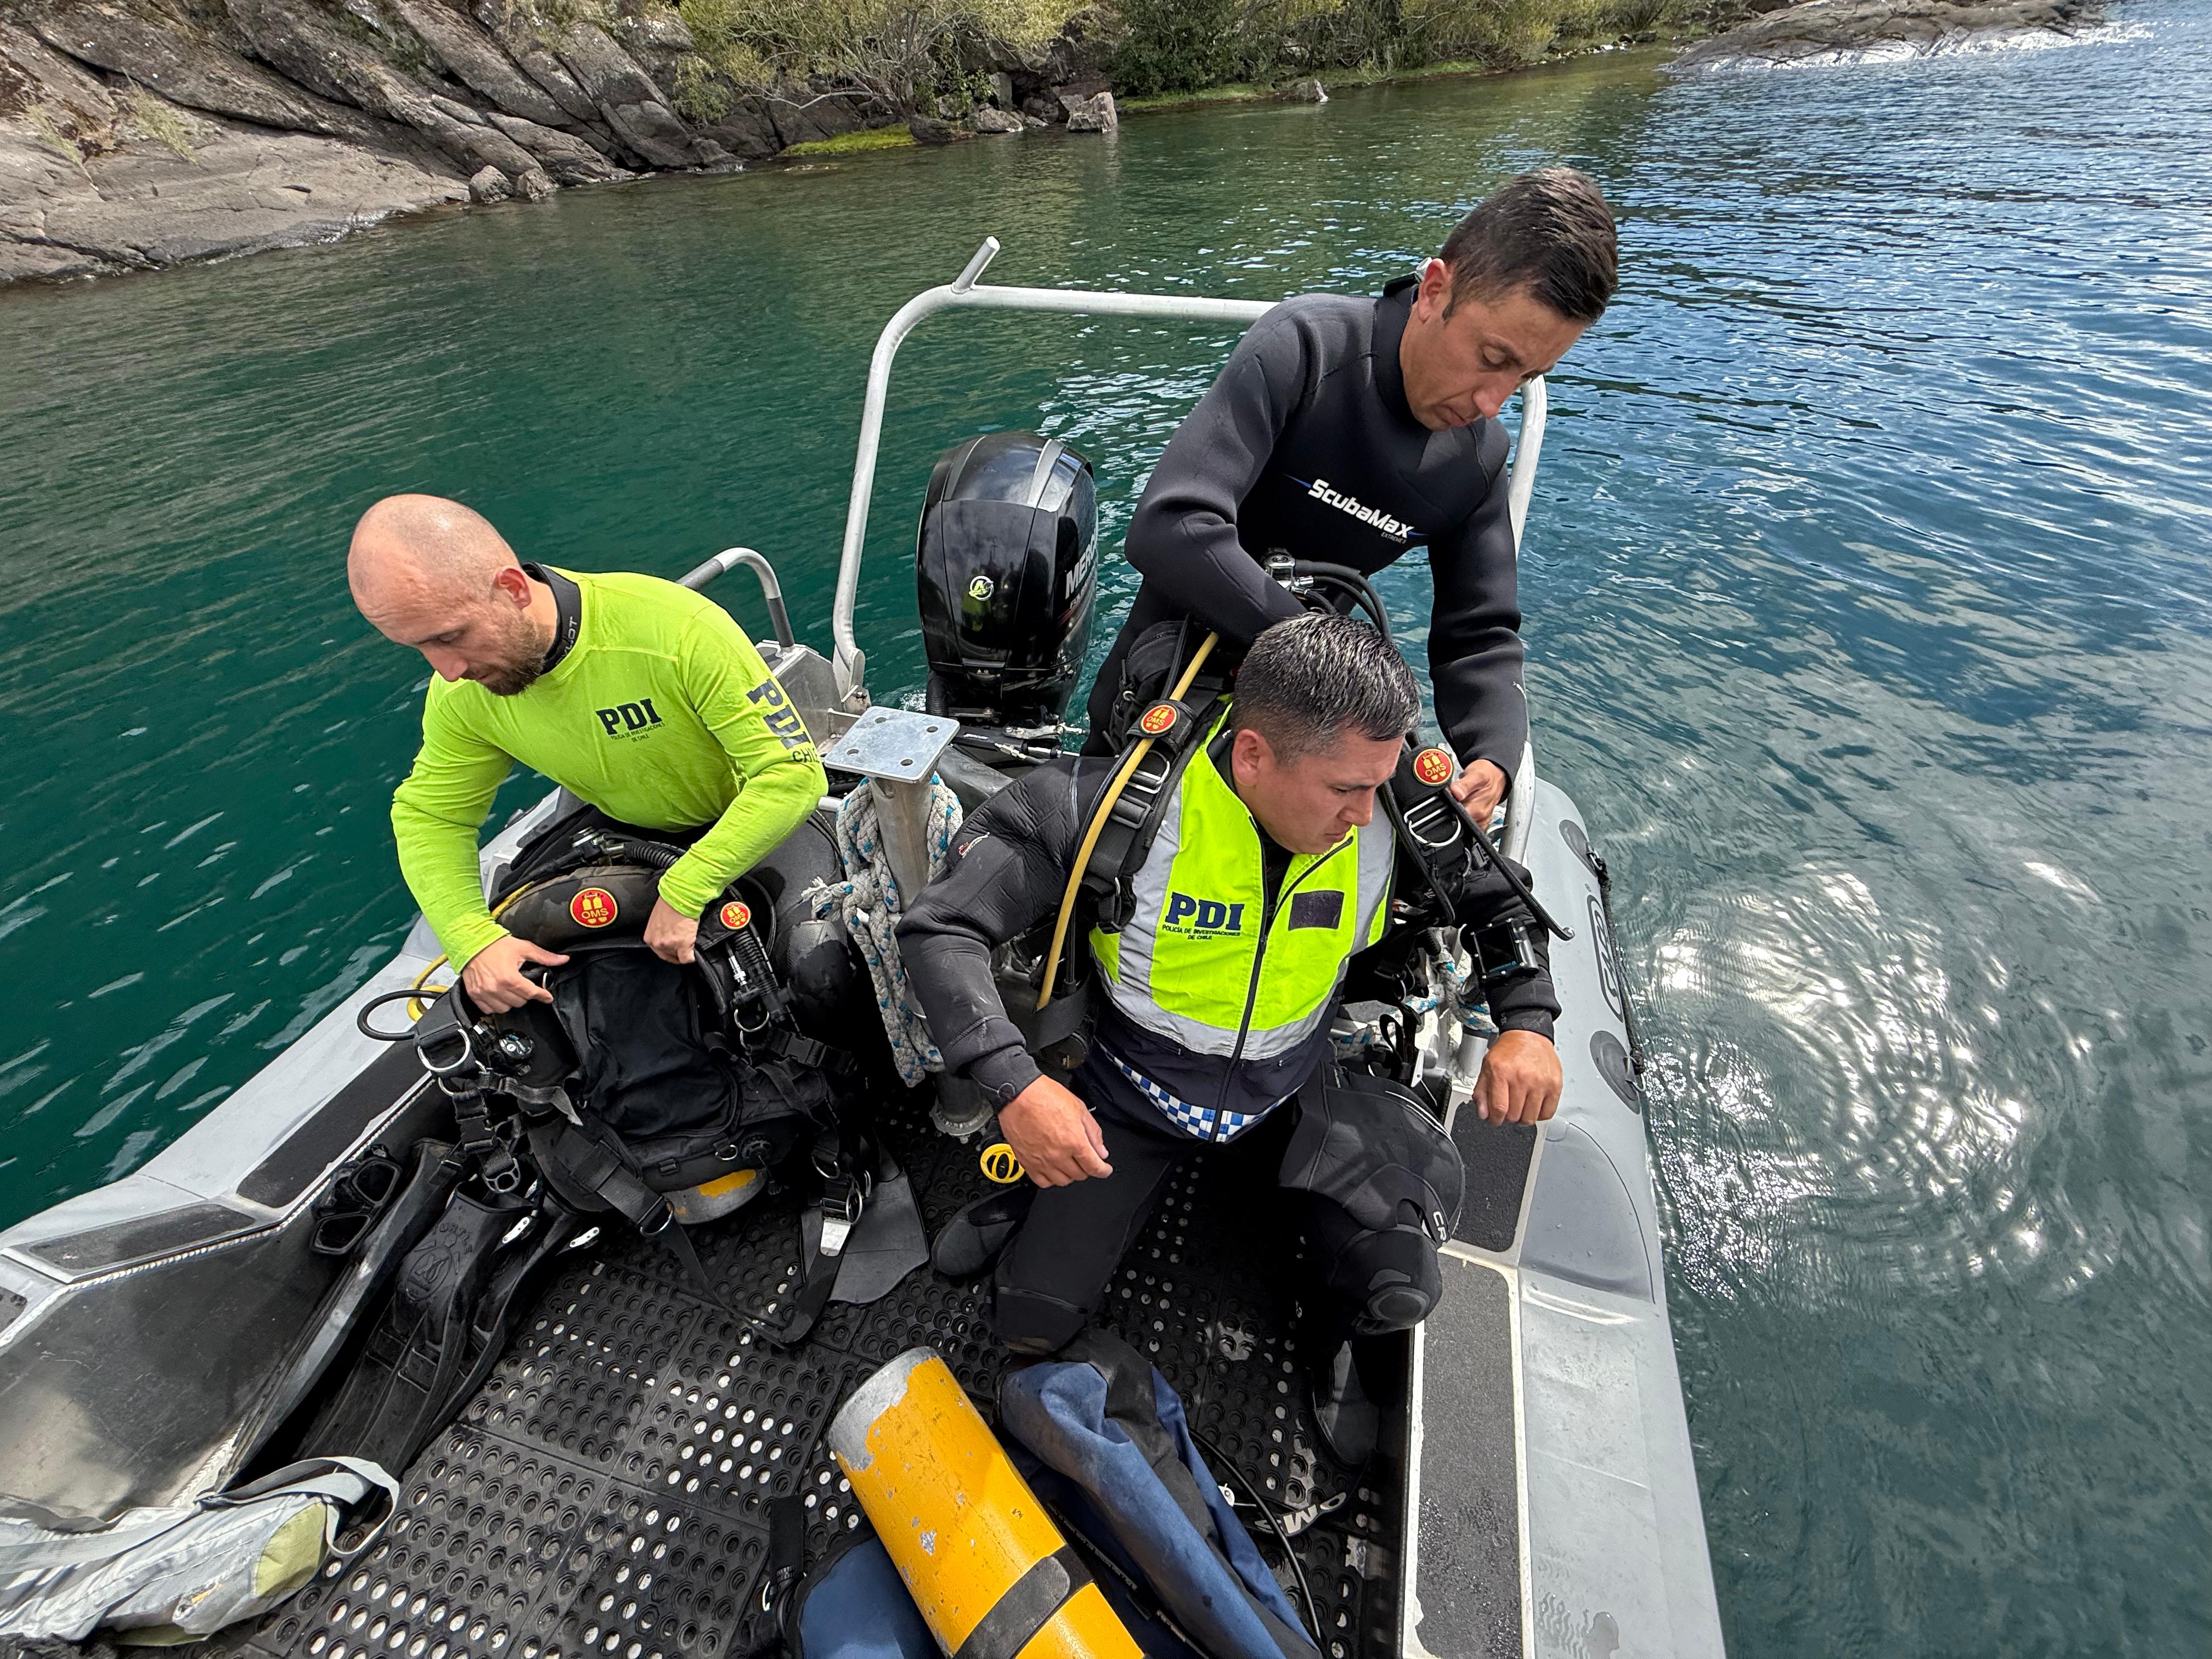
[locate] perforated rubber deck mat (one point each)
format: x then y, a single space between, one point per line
606 1493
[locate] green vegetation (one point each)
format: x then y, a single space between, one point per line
44 124
848 143
156 118
907 55
1240 47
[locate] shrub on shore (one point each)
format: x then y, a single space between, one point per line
1180 46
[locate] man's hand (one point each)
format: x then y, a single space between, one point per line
1521 1079
669 933
1053 1134
493 978
1480 787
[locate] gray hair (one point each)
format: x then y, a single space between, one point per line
1308 680
1549 232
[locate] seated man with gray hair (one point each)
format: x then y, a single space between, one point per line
1270 870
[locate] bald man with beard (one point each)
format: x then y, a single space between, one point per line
638 696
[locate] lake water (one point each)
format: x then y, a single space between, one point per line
1868 623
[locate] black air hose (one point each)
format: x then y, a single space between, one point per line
1343 576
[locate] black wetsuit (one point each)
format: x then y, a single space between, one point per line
1305 444
1008 874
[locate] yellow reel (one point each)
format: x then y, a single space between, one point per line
1000 1166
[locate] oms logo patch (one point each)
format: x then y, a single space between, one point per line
1187 915
1433 767
736 914
1160 717
594 907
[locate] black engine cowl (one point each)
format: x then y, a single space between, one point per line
1006 563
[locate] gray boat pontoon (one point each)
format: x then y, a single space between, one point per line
604 1492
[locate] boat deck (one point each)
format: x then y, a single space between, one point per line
606 1493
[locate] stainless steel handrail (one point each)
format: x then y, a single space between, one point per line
771 590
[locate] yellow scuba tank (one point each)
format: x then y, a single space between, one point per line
982 1560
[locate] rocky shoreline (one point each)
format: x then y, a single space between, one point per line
137 134
1840 31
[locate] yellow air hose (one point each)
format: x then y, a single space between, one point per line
414 1004
1099 823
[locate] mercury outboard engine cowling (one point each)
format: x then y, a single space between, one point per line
1007 565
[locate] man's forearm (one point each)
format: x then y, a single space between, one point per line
950 969
774 802
1008 870
1476 661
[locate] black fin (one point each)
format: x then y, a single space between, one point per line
422 1348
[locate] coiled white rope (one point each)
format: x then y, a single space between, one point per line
870 902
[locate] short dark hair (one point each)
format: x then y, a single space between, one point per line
1308 680
1550 232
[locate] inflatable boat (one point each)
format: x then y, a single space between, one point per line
605 1485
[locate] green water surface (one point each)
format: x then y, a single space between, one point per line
1867 624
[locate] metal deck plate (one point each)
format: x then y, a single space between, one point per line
606 1493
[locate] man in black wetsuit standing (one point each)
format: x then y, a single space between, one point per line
1352 431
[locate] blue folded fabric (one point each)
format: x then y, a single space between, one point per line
1188 1549
858 1608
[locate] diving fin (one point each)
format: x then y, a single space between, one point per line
407 1381
367 1276
886 1243
1348 1421
971 1241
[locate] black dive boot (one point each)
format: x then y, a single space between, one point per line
1349 1421
972 1240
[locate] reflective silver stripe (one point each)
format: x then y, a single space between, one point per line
1276 1040
1149 890
1193 1036
1378 856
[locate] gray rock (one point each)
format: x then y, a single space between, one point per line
1831 29
564 88
336 65
633 105
1002 89
1093 114
467 55
654 31
246 188
998 121
192 72
534 186
566 158
804 115
926 131
459 111
1048 111
1029 121
1307 91
490 185
746 129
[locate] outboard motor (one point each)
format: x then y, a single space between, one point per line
1007 566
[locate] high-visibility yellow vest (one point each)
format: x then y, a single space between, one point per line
1205 960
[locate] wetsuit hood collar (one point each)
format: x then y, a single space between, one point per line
1394 306
568 613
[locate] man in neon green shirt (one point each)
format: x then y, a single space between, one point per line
637 695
